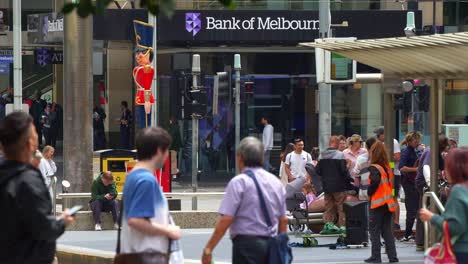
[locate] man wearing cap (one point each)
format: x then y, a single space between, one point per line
380 135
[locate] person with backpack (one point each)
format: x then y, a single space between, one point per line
254 208
29 229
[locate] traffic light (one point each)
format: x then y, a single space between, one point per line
424 98
194 99
224 86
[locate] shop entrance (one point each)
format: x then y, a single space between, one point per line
285 94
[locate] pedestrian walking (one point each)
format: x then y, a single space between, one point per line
54 124
283 175
268 141
380 135
408 167
456 208
99 115
49 124
243 212
103 198
126 120
351 154
382 205
48 168
362 169
423 183
297 160
343 143
146 227
29 229
37 112
336 181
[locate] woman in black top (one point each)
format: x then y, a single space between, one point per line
408 168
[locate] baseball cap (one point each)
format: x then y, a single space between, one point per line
379 131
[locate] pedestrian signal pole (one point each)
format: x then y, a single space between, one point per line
237 68
195 117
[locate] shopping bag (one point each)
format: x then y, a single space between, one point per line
441 253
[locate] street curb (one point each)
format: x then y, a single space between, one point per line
81 255
184 219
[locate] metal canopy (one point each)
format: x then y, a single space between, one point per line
443 56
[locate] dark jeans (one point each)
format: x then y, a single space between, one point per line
125 137
250 250
39 132
380 224
411 203
462 257
50 136
99 206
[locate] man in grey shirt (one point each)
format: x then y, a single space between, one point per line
241 212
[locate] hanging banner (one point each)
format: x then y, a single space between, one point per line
45 28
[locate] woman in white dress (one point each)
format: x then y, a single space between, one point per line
48 167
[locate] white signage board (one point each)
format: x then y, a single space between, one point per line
9 108
333 68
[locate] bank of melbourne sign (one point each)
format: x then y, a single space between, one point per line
193 22
202 27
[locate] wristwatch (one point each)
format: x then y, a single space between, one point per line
207 251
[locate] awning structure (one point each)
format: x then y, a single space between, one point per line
442 56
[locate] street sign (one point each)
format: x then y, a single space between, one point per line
333 68
4 68
6 59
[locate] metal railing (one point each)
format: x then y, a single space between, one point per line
66 196
427 197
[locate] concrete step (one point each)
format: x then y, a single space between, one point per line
185 219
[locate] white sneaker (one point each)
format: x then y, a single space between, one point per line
97 227
116 226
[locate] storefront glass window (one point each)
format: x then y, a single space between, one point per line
357 109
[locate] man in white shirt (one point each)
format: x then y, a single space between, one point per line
296 161
379 134
267 140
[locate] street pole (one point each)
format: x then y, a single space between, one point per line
78 102
324 88
388 84
17 60
237 68
154 85
434 143
195 74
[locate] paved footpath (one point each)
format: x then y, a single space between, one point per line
194 240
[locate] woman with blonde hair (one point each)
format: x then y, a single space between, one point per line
48 167
408 167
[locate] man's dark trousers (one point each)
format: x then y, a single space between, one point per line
99 206
411 203
125 137
250 250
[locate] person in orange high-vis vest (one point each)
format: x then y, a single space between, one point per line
382 204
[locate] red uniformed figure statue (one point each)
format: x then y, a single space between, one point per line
143 73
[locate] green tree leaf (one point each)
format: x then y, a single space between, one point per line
68 8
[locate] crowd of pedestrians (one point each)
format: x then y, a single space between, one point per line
254 205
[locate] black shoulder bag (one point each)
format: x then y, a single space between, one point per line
279 251
138 257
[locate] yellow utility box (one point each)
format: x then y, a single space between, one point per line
113 160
